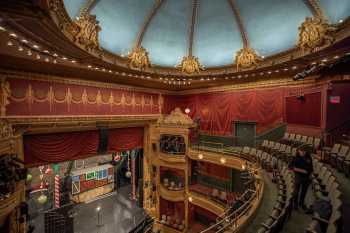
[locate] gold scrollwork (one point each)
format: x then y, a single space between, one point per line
246 58
190 65
139 59
87 34
314 33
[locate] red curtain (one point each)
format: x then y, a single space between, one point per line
217 110
54 148
304 112
125 139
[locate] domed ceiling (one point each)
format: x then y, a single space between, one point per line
213 30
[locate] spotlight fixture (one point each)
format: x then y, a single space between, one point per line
187 110
200 156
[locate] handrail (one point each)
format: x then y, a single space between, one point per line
236 217
328 131
280 125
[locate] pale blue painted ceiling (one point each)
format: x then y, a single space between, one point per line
271 26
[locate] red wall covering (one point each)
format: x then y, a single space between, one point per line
217 171
304 112
218 110
59 147
33 98
340 112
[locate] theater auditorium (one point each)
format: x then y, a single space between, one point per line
174 116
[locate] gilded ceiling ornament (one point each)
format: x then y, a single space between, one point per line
139 59
246 58
314 33
87 34
190 65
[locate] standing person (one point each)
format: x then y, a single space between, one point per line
302 167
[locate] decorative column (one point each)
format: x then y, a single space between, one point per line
133 175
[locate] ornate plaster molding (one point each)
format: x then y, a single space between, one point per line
138 58
5 93
6 131
87 34
190 65
176 117
315 33
246 58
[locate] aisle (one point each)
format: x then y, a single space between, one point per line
299 221
268 201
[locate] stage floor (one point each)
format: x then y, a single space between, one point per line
119 215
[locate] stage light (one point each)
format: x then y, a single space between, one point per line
187 110
190 199
9 43
98 208
200 156
243 167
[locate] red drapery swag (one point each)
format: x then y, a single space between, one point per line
304 112
60 147
125 139
217 110
55 148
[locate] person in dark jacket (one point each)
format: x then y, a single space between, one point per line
302 167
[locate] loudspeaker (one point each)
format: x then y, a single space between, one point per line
103 143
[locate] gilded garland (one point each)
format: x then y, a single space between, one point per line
139 59
314 33
246 58
87 34
190 65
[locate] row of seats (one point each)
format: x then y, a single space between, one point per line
339 157
324 184
284 178
327 189
298 140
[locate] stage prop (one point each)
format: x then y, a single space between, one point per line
89 183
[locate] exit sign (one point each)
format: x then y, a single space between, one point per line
334 99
